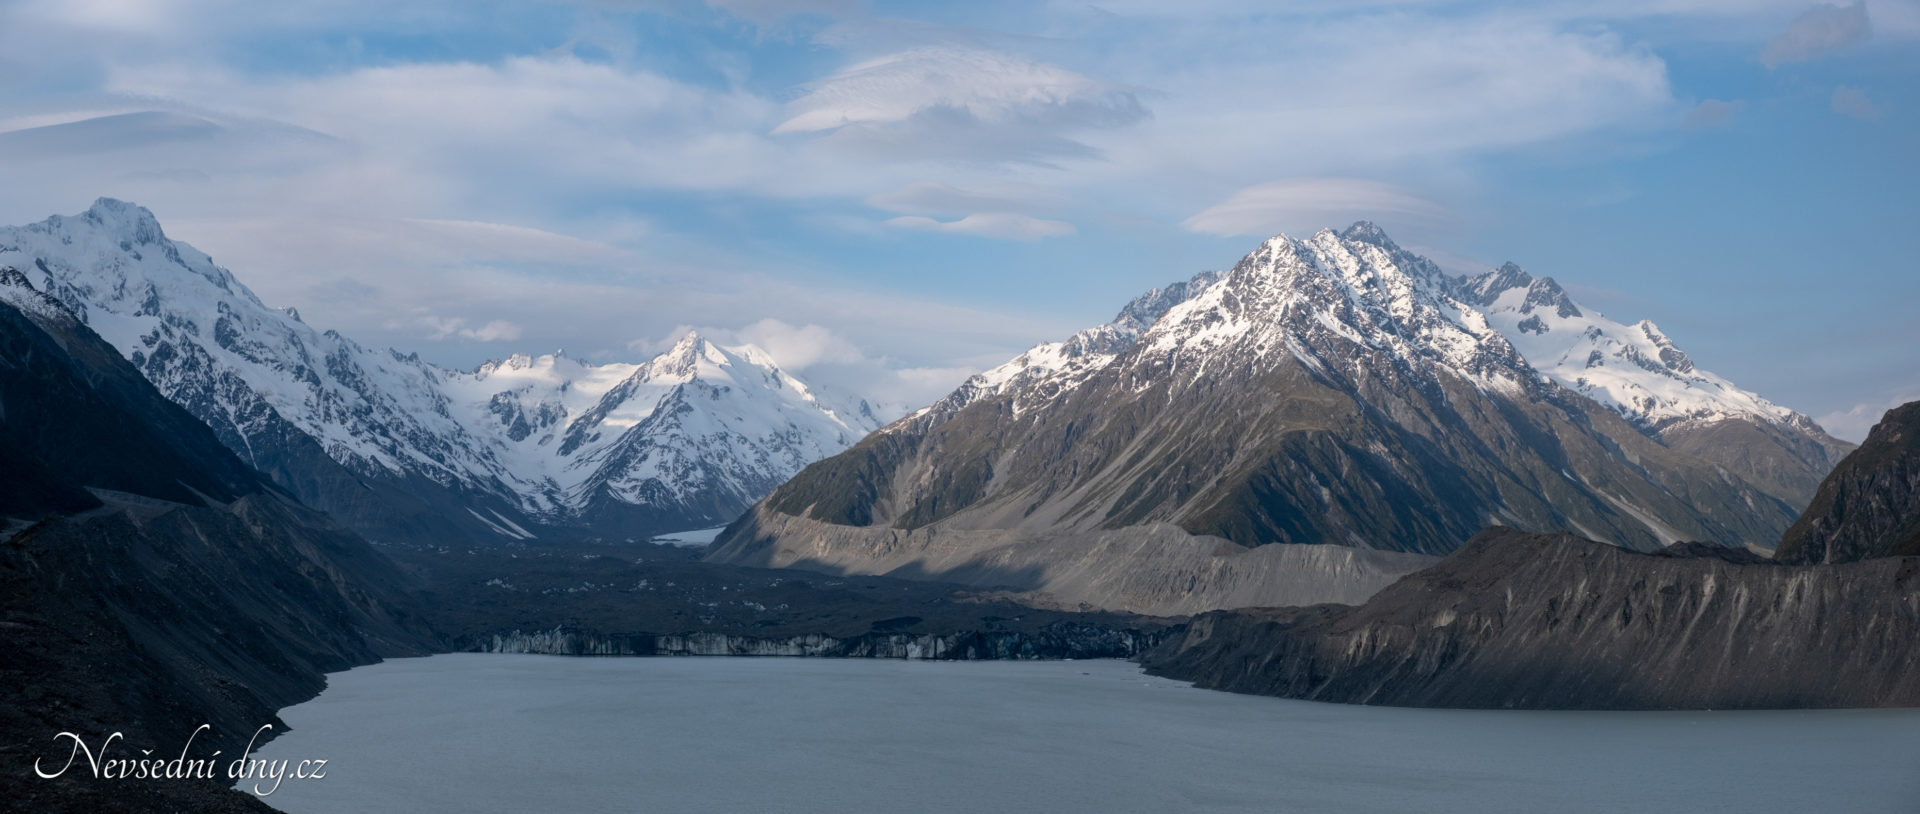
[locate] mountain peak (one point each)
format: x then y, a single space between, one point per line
1485 288
134 221
684 358
1364 231
1543 292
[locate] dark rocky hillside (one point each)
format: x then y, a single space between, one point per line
1517 620
1870 505
73 414
151 582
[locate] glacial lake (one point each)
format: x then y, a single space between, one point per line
500 733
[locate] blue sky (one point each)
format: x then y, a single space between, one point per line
892 195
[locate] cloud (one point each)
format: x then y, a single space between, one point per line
406 245
1402 95
1003 225
118 131
553 128
935 198
1853 423
1817 32
835 365
1710 113
649 346
797 348
1306 204
949 102
494 331
357 184
399 282
1854 102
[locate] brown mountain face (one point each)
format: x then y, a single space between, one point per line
1325 392
1870 505
1783 461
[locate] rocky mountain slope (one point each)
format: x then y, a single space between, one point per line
1515 620
403 450
152 582
1870 505
63 393
1334 390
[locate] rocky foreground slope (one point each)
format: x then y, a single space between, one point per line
1517 620
1870 505
150 582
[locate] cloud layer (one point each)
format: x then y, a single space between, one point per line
848 189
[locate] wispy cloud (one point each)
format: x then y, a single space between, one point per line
1304 204
936 198
495 330
798 347
1817 32
967 103
1854 102
989 224
1710 113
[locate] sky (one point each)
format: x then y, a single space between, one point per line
891 196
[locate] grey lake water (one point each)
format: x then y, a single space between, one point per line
479 733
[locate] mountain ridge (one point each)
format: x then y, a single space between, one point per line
405 450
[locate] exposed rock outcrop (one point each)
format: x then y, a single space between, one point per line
1869 506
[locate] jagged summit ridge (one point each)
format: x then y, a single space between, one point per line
1319 297
1299 296
1635 370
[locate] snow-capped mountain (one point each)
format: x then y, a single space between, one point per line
1634 370
402 449
1333 389
1637 372
1373 295
1049 369
700 431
